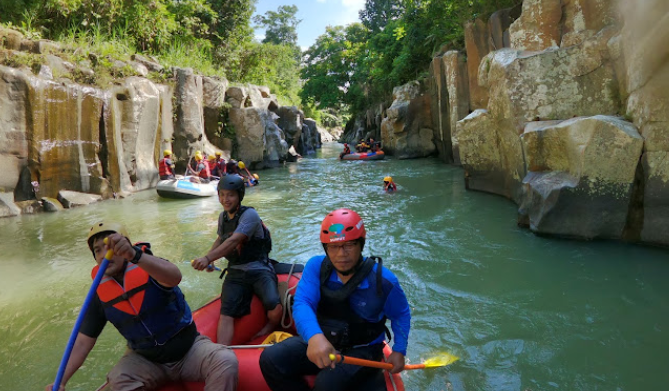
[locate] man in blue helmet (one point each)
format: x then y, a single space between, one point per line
245 241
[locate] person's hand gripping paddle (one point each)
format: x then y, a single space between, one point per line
80 318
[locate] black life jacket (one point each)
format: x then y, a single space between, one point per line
340 324
254 249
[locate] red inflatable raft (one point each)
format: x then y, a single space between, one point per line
250 377
378 155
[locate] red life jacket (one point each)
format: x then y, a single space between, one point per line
164 168
205 172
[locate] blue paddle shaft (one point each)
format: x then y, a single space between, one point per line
80 319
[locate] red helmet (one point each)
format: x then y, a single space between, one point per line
342 225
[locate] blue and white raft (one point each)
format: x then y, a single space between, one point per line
185 187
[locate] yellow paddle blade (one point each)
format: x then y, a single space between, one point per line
441 360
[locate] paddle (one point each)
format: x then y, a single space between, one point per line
188 166
434 362
80 318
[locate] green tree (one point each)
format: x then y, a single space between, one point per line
326 70
232 32
356 67
280 25
274 66
378 13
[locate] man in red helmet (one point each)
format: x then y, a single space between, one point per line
341 305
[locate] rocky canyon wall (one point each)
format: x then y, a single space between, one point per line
77 143
561 106
569 117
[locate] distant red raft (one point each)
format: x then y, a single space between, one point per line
379 155
250 377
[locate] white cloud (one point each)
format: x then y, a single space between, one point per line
351 10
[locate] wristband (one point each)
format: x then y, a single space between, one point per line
138 254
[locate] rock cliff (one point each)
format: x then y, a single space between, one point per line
562 106
59 133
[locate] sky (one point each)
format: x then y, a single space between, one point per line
315 16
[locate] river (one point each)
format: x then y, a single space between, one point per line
523 312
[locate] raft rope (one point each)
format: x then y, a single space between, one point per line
390 376
285 302
392 381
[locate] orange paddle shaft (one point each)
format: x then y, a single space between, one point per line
339 359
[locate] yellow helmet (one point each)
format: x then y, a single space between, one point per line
198 156
256 176
241 165
388 179
106 227
167 152
212 158
219 153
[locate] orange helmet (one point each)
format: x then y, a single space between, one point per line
342 225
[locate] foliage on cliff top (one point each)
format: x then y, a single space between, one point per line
214 37
350 68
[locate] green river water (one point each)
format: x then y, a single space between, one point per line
523 312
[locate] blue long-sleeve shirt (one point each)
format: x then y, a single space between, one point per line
308 295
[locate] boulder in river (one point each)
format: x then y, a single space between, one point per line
7 206
580 176
71 199
491 154
51 204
